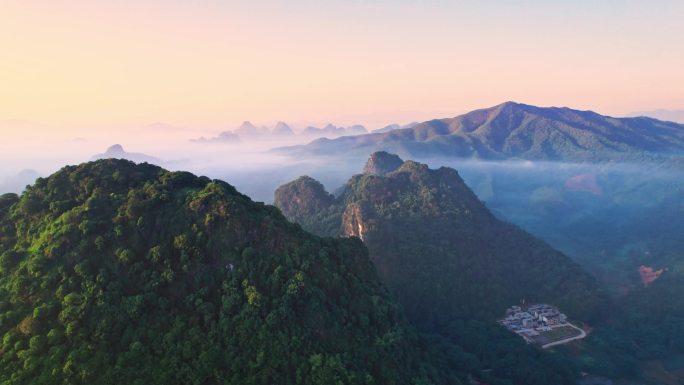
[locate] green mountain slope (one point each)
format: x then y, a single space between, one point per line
113 273
514 130
452 264
428 234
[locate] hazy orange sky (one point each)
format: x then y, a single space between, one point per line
100 66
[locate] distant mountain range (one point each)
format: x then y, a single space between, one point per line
224 137
331 130
249 132
514 130
392 127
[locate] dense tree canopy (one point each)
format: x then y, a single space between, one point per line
117 273
455 267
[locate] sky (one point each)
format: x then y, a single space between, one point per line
74 71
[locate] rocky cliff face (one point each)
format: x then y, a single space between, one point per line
381 163
356 220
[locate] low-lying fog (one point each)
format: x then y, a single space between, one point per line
31 150
595 213
246 164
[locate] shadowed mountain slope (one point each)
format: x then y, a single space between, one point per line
514 130
454 267
434 242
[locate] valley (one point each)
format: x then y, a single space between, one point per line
369 192
454 240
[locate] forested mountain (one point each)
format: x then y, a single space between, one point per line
117 273
451 263
514 130
428 233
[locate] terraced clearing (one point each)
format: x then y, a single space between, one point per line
556 335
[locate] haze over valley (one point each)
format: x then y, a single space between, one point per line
342 192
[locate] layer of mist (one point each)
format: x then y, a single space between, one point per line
608 216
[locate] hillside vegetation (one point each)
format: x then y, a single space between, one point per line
117 273
453 266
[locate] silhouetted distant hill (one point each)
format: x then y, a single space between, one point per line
17 183
282 128
514 130
281 131
223 137
117 152
393 126
247 129
332 131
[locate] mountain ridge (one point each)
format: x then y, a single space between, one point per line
451 263
427 208
516 130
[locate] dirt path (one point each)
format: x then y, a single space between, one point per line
579 337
